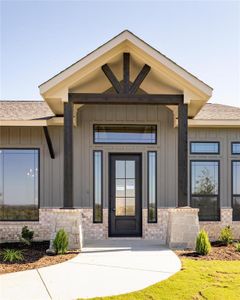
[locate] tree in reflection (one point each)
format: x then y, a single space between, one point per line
205 184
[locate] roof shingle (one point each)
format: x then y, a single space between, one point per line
24 110
211 111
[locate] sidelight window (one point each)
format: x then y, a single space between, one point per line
152 187
97 186
19 184
205 189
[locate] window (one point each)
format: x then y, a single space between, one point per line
236 190
97 186
152 187
205 189
204 148
125 187
125 134
19 184
236 148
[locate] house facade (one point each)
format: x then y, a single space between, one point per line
123 145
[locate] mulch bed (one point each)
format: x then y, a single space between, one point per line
34 257
218 252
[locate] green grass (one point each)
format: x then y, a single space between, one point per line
213 280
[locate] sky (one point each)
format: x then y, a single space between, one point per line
41 38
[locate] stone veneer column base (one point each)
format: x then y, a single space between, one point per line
183 227
70 221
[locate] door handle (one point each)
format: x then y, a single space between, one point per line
113 209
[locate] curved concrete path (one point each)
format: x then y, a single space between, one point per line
104 268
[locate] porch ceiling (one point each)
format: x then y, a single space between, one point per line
86 76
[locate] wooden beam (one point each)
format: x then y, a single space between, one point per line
126 72
81 98
112 78
49 142
139 79
182 155
68 156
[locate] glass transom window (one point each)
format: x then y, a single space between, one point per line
204 148
236 148
19 180
125 134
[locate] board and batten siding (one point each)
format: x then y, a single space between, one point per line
51 170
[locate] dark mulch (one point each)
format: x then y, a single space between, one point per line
34 257
219 252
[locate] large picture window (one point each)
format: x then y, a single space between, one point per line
152 187
125 134
205 189
19 184
236 190
97 186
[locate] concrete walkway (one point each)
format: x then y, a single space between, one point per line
104 268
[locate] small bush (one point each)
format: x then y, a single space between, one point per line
12 255
60 243
226 235
203 246
238 247
26 236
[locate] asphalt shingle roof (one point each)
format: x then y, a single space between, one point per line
35 110
24 110
212 111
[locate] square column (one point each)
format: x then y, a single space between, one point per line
182 155
68 156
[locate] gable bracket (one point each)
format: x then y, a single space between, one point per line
139 79
49 142
112 78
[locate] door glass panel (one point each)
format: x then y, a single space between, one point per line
120 187
120 206
120 169
130 206
125 192
130 169
130 187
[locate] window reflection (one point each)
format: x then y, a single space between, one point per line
204 189
236 190
125 187
152 188
97 189
19 177
129 134
204 147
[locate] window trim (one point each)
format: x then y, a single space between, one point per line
100 221
124 143
39 181
205 153
156 211
219 189
233 195
232 143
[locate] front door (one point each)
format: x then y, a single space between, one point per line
125 209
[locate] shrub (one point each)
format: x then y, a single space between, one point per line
238 247
26 235
226 235
12 255
203 246
60 243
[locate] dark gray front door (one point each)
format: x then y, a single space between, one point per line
125 209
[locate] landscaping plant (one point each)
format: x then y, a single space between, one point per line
238 247
12 255
226 235
26 236
203 246
60 243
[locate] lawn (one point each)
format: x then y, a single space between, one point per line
198 279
